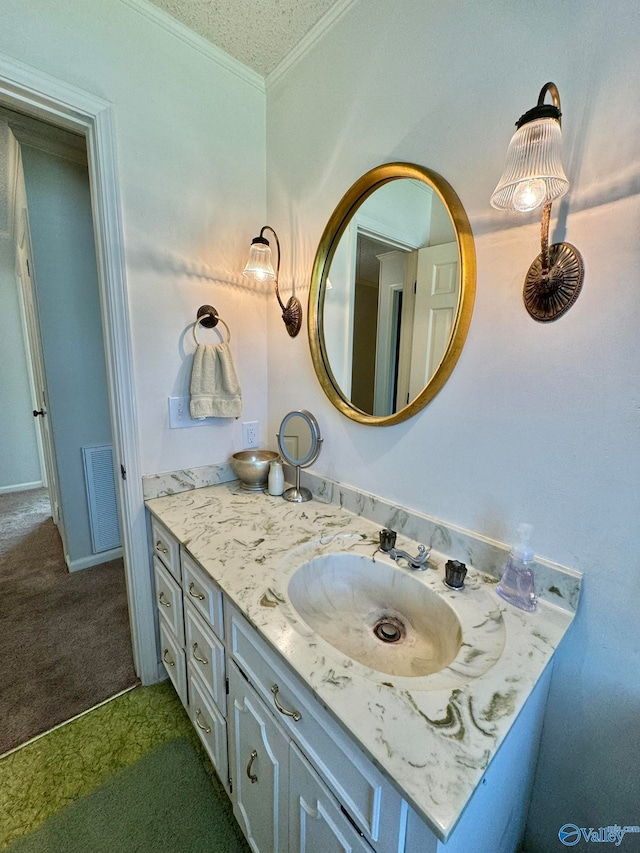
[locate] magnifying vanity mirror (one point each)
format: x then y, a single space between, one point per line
392 292
299 443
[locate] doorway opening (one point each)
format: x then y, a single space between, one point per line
62 575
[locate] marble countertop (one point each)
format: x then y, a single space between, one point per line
432 735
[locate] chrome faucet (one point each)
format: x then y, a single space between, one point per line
388 546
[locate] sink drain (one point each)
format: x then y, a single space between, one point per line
389 630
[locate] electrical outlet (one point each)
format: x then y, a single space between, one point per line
250 434
179 416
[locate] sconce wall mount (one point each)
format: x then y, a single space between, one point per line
533 176
260 268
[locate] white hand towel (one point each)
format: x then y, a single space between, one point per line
215 390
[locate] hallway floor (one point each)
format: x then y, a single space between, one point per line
66 638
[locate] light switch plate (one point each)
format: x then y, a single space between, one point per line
179 416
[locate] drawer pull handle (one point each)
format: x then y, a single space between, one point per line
167 659
193 594
294 714
204 661
205 729
252 776
163 601
160 547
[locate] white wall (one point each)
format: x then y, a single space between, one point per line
19 461
190 137
538 422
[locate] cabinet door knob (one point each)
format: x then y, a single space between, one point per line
205 729
204 661
193 594
160 547
162 600
167 659
252 776
294 714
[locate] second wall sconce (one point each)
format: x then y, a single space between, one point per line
260 267
533 176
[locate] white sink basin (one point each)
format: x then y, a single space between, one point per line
376 613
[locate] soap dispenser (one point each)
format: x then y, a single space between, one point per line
276 478
517 585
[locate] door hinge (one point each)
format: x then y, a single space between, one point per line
123 472
227 685
415 286
230 785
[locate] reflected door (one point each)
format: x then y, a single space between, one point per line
436 303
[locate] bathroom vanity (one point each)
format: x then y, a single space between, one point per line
323 740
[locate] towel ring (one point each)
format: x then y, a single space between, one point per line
209 317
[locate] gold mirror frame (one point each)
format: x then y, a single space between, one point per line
338 222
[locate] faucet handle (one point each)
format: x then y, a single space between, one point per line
387 539
454 574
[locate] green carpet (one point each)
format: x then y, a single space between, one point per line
42 779
164 803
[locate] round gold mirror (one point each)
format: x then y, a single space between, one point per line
392 292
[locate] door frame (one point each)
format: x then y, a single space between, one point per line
37 94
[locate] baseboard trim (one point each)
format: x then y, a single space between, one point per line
93 560
21 487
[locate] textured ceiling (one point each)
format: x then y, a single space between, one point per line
257 32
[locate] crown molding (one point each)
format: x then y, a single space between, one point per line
206 48
323 25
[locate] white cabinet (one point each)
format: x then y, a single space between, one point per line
316 822
259 759
279 801
373 805
298 782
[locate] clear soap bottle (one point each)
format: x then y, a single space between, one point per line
517 586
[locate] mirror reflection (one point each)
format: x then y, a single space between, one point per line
299 443
391 297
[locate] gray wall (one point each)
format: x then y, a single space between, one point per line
66 279
19 461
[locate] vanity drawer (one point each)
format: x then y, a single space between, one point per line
205 655
173 660
372 802
169 601
203 593
210 726
166 548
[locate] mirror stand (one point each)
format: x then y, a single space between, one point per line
297 493
299 443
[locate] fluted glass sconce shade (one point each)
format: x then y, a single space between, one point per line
533 176
260 267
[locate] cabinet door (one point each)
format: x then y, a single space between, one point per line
259 766
316 821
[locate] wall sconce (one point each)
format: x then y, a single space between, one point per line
260 268
533 176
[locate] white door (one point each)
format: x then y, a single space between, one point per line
259 768
436 302
34 346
